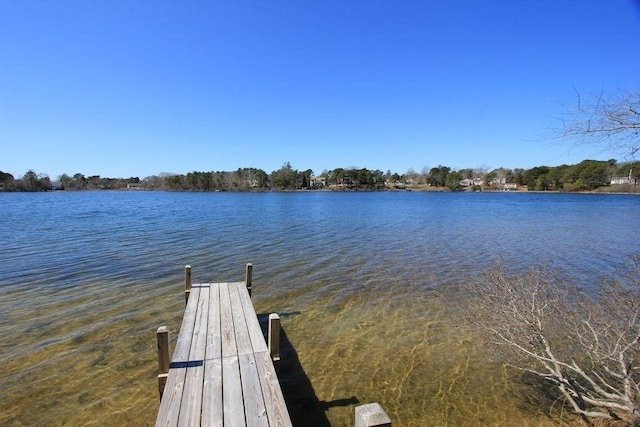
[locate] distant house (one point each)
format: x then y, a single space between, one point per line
318 181
624 180
468 182
134 186
498 182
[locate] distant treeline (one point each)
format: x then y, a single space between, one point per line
587 175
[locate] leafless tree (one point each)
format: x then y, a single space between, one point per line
586 343
612 122
424 173
412 175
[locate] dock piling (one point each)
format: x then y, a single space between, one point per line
162 336
249 277
187 282
371 415
274 339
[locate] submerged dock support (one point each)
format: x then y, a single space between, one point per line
249 277
187 282
162 336
371 415
274 339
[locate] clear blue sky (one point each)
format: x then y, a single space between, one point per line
137 88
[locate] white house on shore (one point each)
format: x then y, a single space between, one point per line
631 179
624 180
318 181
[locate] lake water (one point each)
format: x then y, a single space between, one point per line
364 283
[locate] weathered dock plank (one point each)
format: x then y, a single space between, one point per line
212 387
212 394
172 396
255 333
191 406
233 404
254 405
229 347
214 338
243 342
274 401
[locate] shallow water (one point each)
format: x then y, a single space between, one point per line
364 283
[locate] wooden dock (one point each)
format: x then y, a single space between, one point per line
222 371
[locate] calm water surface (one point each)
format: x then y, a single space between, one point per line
364 282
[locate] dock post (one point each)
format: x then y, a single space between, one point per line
371 415
274 339
187 282
162 336
249 277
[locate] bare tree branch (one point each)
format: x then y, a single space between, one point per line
611 122
588 346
